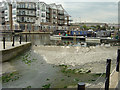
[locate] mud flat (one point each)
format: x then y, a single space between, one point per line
76 55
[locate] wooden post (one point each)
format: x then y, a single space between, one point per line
81 86
3 42
26 37
20 39
13 40
118 60
107 79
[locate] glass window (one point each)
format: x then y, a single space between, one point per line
43 15
27 12
42 20
28 19
43 7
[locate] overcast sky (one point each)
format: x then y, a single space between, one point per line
92 11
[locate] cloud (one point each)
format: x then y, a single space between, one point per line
93 11
90 10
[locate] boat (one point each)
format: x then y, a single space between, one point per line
55 37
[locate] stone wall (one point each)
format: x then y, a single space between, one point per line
7 54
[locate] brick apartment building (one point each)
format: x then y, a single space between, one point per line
37 16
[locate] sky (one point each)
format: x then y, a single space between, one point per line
105 11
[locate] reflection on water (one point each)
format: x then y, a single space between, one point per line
44 39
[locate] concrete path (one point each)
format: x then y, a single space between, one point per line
8 45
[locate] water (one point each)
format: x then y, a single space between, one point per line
44 39
39 73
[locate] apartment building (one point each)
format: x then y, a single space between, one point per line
26 15
56 17
37 16
2 15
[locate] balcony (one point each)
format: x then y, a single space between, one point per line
54 12
60 13
30 15
61 18
54 17
47 11
61 24
48 17
2 15
28 8
19 21
70 20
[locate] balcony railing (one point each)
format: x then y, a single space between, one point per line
2 15
61 18
47 11
25 21
18 14
48 17
30 8
60 13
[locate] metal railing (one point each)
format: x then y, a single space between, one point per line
13 40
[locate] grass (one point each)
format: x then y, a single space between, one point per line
65 86
99 74
46 86
66 69
10 77
29 87
76 79
62 79
47 79
27 60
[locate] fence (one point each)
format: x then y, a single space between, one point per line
81 86
13 40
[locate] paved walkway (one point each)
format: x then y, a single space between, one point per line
8 45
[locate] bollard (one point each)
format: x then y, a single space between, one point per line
26 37
81 86
118 60
20 39
107 79
13 40
3 42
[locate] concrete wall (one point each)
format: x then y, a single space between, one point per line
13 52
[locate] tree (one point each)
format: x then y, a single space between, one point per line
84 26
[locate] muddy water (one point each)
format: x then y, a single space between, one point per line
42 39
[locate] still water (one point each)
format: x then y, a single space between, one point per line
44 39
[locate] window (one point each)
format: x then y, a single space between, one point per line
14 18
27 5
14 12
38 6
14 5
22 19
28 19
42 20
43 7
31 12
27 12
43 15
32 6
